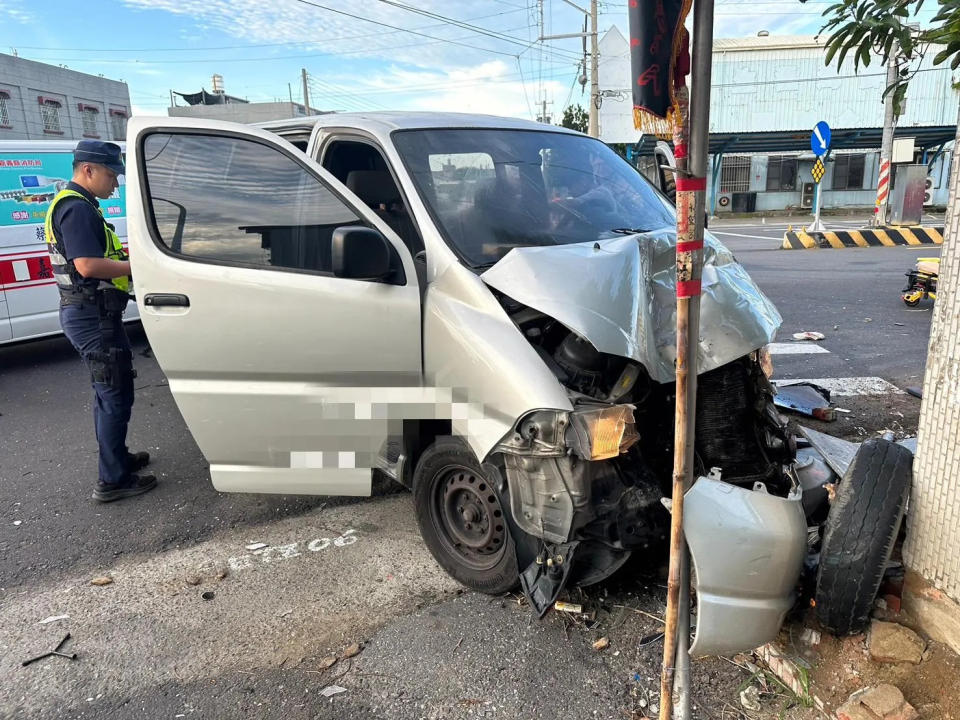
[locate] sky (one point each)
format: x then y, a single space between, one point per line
454 55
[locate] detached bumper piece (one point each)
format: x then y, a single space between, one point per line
747 548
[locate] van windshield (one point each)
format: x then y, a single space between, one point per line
493 190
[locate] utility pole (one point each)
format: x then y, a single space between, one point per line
594 127
306 92
886 145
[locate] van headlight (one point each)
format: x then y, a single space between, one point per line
603 432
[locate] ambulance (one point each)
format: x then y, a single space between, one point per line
32 172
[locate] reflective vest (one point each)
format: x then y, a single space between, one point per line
64 270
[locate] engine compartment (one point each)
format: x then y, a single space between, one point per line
612 507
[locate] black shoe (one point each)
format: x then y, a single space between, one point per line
135 485
137 461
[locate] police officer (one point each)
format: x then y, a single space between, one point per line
92 273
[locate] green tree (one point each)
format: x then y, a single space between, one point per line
575 118
859 27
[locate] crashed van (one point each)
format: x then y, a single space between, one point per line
482 309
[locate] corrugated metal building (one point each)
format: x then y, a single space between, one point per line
769 92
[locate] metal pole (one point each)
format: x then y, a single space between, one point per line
594 129
886 144
306 93
691 203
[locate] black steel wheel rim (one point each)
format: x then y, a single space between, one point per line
468 517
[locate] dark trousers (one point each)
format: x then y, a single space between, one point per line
105 349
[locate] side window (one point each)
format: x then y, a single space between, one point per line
237 201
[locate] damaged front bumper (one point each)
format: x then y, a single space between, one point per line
747 548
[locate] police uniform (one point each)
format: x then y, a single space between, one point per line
91 312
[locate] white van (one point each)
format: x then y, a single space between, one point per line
31 173
484 309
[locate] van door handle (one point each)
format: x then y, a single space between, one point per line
166 299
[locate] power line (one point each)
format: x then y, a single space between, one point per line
262 58
257 45
394 27
459 23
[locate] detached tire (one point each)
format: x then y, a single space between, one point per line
859 534
461 519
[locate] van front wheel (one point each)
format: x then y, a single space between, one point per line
461 518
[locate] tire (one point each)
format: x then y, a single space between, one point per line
461 519
911 303
859 534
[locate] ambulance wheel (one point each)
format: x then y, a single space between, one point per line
462 520
859 534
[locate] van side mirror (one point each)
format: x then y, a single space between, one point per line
360 253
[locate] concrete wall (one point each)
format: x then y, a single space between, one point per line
241 112
933 536
25 81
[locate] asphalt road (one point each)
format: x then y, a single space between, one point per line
852 296
151 647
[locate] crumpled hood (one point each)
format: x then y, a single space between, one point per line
620 295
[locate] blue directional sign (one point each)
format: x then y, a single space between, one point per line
820 139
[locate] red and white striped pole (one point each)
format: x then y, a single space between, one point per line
883 190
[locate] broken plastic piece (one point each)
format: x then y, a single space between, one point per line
809 335
807 399
54 618
541 584
331 690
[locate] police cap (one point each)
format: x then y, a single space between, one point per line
100 152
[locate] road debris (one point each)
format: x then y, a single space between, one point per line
331 690
17 523
256 546
352 650
328 662
810 637
208 595
750 699
894 643
883 701
809 335
53 618
102 580
55 652
807 399
601 644
566 607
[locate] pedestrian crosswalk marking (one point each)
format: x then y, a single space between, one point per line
848 385
795 348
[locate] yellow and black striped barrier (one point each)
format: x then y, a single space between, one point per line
887 235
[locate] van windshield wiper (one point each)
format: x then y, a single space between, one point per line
628 231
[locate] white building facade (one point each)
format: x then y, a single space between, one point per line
47 102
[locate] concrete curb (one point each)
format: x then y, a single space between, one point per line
886 236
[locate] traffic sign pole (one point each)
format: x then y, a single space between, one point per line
820 145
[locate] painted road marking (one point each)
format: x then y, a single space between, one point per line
742 235
848 385
796 348
271 553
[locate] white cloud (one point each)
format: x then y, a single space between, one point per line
308 27
493 87
16 15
